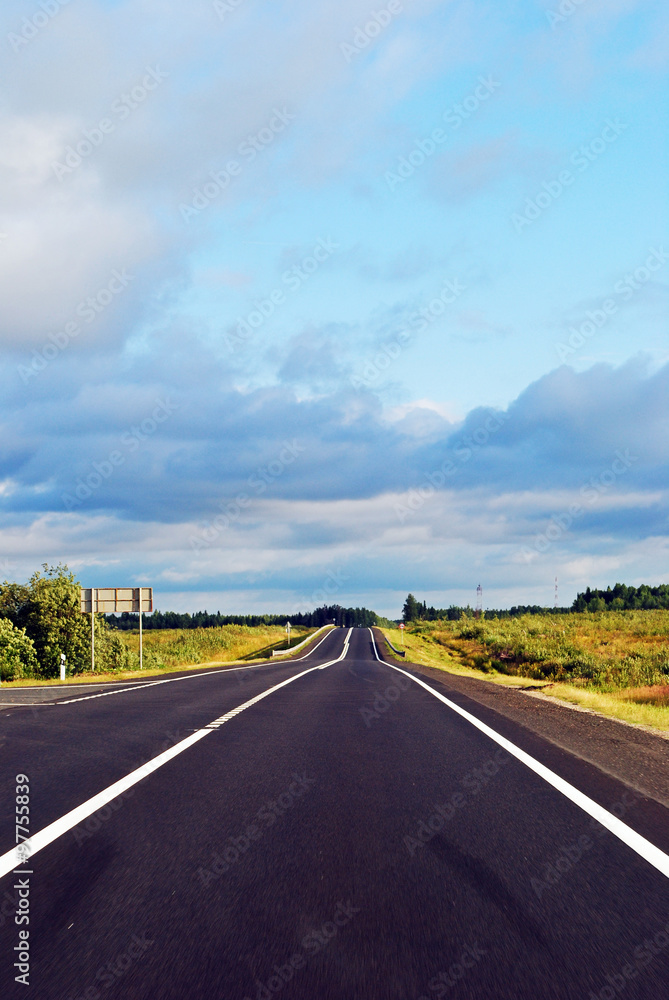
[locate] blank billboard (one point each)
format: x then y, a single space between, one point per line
114 600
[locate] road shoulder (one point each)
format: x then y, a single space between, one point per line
630 753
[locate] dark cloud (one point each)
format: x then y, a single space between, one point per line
181 443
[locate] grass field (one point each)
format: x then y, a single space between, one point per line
183 647
614 662
166 650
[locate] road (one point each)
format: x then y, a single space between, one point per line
349 835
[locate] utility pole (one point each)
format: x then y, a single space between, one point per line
556 594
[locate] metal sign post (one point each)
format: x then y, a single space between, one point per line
93 631
141 662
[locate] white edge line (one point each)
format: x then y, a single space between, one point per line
140 685
295 649
644 848
16 857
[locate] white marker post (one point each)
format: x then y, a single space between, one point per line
402 633
288 634
62 666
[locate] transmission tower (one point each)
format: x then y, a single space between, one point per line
479 600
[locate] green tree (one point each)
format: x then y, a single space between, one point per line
411 610
54 622
17 652
48 609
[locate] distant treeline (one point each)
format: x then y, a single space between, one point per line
203 619
623 598
415 611
617 598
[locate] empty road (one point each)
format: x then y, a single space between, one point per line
348 834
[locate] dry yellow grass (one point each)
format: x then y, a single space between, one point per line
647 706
186 647
616 705
435 654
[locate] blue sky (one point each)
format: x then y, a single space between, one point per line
412 336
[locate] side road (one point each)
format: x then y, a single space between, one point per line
634 755
50 693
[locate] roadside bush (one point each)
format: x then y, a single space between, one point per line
47 611
608 649
17 653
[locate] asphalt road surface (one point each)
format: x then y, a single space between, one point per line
348 835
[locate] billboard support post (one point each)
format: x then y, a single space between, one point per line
93 631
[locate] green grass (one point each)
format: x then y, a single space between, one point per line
617 661
184 647
166 650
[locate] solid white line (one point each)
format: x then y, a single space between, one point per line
16 857
140 685
294 649
343 653
644 848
